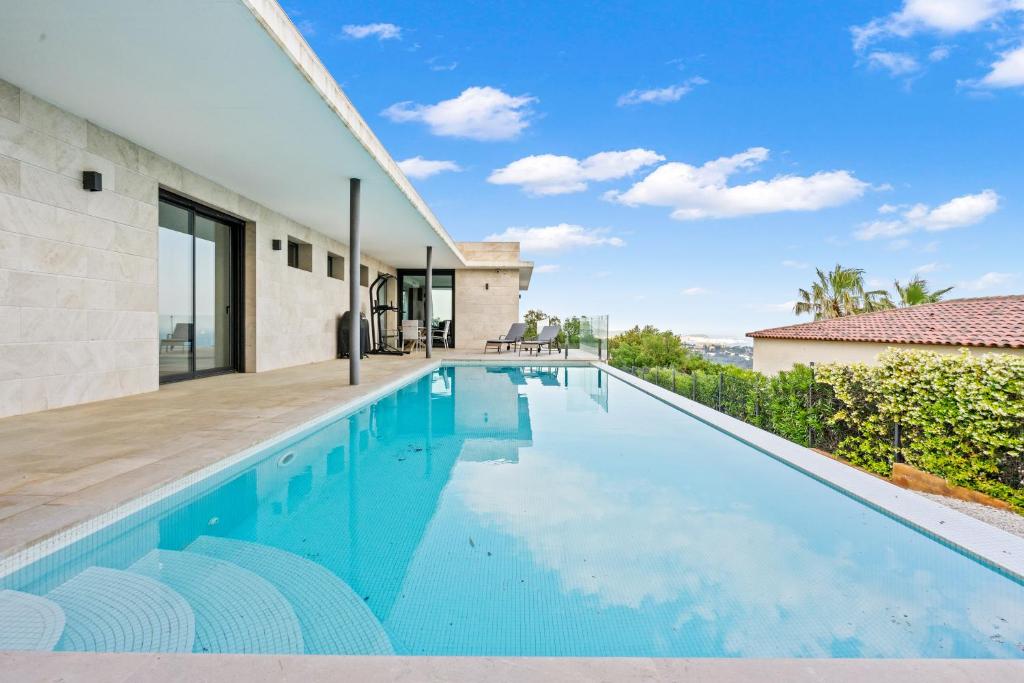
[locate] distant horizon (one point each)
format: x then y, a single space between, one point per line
719 154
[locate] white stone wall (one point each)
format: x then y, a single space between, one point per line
774 355
78 269
486 303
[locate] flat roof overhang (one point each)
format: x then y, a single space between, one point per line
230 90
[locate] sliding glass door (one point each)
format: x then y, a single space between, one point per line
412 285
198 290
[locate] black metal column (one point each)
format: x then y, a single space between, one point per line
429 303
355 350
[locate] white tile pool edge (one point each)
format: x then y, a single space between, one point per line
971 536
51 544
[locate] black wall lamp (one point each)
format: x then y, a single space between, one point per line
92 181
275 245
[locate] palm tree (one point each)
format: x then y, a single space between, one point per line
838 293
916 292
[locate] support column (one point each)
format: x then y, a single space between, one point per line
355 349
429 302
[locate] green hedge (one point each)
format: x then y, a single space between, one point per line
961 417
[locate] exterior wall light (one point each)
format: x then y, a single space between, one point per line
275 245
92 181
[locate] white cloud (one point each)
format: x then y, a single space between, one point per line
785 306
478 113
696 192
797 265
380 31
942 16
896 63
694 291
672 93
307 28
1007 71
939 53
926 268
547 268
557 237
549 174
420 168
988 281
436 64
958 212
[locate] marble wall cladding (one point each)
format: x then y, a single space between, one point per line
78 270
486 304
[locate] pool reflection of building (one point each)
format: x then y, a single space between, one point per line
357 496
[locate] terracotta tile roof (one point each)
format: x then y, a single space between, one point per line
995 321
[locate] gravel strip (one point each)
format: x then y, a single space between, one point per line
1006 520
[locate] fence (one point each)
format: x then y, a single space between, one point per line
958 417
795 407
588 333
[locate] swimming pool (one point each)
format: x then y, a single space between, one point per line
484 510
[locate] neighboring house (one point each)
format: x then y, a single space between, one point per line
989 324
216 237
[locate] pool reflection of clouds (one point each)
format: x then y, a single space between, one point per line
759 588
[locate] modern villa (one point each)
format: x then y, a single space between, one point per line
203 477
179 205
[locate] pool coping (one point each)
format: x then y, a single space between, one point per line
71 667
993 547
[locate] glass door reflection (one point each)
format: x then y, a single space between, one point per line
198 290
412 286
175 291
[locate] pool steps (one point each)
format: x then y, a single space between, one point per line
236 610
217 595
108 610
333 618
29 622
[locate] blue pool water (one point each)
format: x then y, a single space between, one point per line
515 511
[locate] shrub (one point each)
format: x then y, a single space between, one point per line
961 417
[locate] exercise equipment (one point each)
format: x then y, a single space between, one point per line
380 337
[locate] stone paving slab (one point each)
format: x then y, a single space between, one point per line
73 667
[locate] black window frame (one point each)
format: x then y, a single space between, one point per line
237 286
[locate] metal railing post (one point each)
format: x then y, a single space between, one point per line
720 392
673 380
897 442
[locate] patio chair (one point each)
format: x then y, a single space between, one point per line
180 336
440 334
513 337
412 335
547 337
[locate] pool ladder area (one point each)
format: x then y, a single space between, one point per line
216 595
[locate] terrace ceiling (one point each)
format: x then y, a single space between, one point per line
230 90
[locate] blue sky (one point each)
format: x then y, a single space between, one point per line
883 135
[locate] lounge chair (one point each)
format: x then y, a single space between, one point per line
180 336
513 337
547 337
